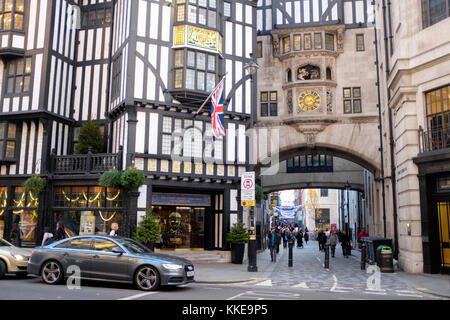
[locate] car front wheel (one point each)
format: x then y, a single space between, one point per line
2 269
52 272
147 278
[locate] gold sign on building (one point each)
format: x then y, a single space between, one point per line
309 100
179 36
202 38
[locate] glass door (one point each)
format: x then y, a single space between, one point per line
443 210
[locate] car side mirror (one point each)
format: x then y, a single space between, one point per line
117 250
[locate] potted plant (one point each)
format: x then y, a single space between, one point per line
34 184
132 178
238 237
148 230
111 179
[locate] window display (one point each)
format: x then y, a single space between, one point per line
97 222
181 227
26 206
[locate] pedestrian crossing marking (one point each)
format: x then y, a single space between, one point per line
301 285
267 283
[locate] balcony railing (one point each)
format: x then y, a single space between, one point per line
89 163
434 139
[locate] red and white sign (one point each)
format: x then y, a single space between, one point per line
248 186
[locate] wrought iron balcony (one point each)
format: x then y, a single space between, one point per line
89 163
434 139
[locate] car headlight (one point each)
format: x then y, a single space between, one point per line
172 266
18 257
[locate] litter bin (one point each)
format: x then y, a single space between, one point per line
385 259
372 243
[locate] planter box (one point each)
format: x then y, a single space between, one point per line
237 253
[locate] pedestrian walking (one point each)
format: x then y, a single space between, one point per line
48 237
345 243
280 233
60 231
321 237
16 235
299 237
285 237
306 236
274 240
333 240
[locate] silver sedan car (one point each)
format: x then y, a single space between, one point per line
104 258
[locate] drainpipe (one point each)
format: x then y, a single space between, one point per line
380 126
391 129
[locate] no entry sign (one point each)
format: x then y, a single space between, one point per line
248 187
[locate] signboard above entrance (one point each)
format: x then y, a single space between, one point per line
178 199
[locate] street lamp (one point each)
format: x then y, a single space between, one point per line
251 68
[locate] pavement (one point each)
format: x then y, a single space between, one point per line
308 272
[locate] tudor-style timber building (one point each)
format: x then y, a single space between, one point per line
140 69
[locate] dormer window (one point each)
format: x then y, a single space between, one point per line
11 15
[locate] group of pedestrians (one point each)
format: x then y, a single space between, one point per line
332 238
287 235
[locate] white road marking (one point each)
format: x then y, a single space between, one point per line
334 284
374 292
301 285
137 296
267 283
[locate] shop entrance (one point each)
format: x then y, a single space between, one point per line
181 227
183 218
443 212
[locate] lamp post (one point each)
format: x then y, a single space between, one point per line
251 68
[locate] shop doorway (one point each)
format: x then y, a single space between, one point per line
443 215
182 227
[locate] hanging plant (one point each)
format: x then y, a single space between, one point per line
132 178
111 179
34 184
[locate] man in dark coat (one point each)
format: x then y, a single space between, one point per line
274 242
16 234
345 243
321 237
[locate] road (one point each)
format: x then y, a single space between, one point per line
32 288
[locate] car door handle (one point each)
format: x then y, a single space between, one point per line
66 254
96 257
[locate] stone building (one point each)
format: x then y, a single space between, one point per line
317 87
414 66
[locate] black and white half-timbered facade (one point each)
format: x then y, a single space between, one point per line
140 69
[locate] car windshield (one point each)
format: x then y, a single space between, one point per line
3 243
133 246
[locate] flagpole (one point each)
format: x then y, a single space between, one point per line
212 92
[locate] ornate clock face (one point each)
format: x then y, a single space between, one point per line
309 100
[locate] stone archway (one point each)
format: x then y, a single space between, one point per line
354 139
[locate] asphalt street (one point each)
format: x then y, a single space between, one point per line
306 280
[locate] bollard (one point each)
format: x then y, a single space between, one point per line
327 257
290 256
363 256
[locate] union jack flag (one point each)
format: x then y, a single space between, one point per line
217 122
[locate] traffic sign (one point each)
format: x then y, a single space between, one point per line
247 203
248 186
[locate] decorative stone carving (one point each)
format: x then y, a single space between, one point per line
289 102
276 46
329 100
340 40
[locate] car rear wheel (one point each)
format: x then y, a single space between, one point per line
52 272
147 278
2 269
